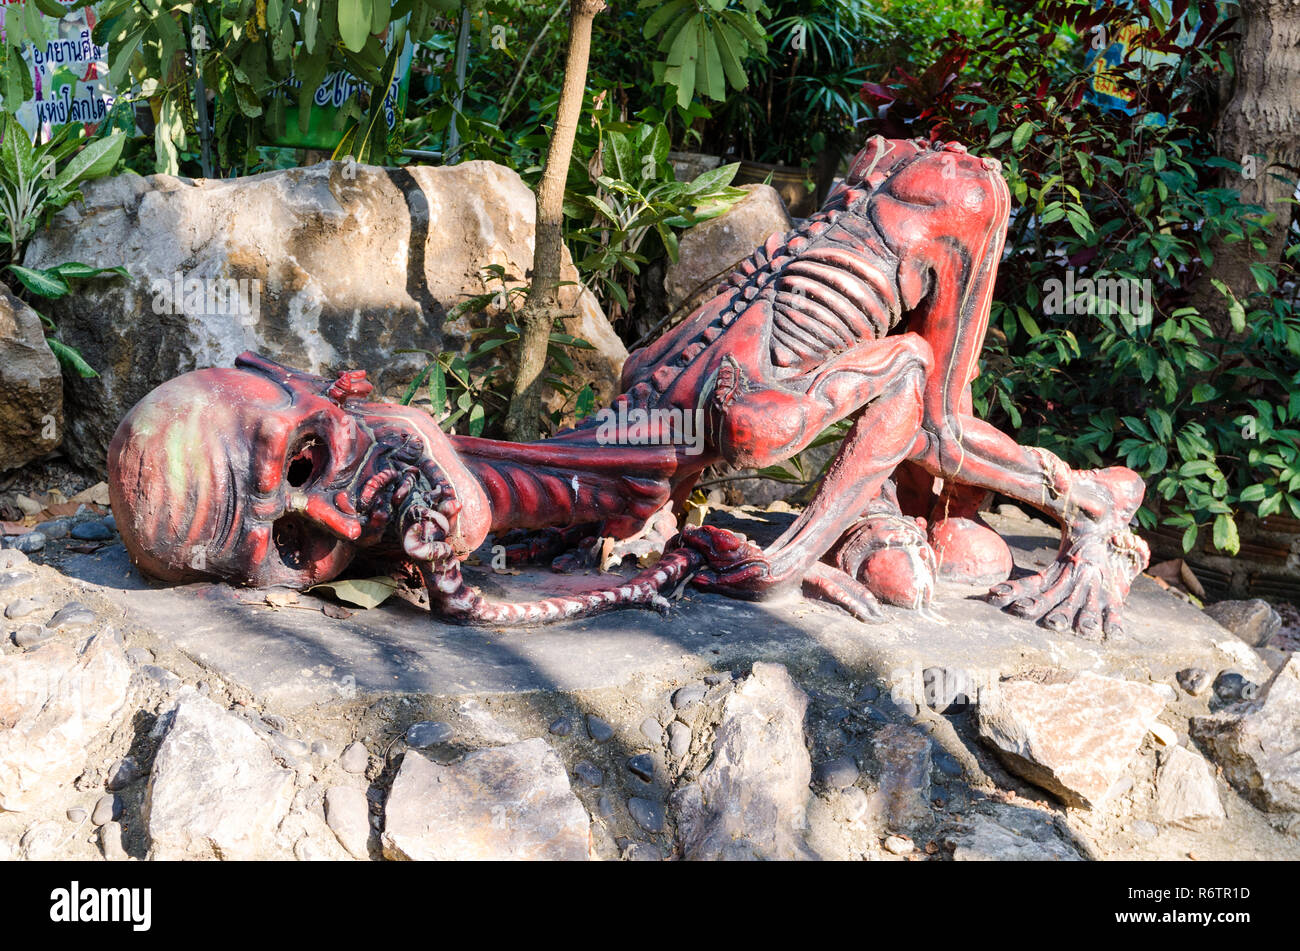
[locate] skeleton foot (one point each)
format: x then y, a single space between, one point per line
735 565
889 553
1085 588
833 585
738 568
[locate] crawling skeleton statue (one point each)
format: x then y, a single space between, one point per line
873 310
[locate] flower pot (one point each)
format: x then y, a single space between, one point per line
688 166
794 185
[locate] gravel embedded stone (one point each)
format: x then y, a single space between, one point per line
107 808
139 656
95 531
598 729
652 731
649 815
77 814
838 773
71 615
124 772
642 766
898 844
24 606
1194 680
15 579
292 746
355 758
54 529
29 543
110 842
29 635
679 739
561 727
427 733
1231 686
589 774
948 764
683 697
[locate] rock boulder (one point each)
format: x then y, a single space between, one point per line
751 801
1258 742
505 802
215 791
55 700
31 386
324 268
1073 736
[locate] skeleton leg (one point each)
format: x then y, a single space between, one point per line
1100 556
887 376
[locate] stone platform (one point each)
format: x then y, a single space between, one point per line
389 734
293 658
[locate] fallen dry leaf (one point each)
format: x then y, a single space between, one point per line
97 494
336 611
29 505
62 509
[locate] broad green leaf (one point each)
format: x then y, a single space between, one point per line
42 282
70 358
94 161
1225 534
354 23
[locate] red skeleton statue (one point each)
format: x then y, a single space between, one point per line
873 310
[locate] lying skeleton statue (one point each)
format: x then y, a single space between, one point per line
875 309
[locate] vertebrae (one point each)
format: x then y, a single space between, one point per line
830 283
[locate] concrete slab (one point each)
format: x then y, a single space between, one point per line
296 658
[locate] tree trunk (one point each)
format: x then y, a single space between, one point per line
1263 121
542 305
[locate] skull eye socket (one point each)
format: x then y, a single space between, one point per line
306 463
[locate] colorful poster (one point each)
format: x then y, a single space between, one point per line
1107 52
323 131
68 70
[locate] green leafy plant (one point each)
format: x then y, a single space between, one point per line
36 180
1201 397
470 391
802 99
257 57
705 44
636 195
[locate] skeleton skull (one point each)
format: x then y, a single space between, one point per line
269 476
